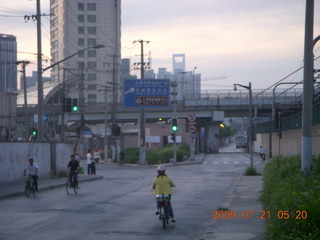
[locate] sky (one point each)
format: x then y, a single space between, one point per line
229 41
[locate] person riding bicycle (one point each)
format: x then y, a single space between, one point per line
32 168
73 168
162 184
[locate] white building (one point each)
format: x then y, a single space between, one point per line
82 24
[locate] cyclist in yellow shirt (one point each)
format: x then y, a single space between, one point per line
162 184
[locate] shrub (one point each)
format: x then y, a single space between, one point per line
285 188
63 174
251 171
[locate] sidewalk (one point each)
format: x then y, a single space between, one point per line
242 199
17 189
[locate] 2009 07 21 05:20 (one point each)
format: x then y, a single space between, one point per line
259 215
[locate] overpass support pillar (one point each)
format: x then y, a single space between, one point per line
212 138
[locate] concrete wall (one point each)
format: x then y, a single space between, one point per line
289 144
51 158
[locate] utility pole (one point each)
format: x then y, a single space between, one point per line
23 64
142 159
40 83
37 17
306 160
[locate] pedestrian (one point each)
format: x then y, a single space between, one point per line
89 162
121 155
32 168
263 153
96 156
162 185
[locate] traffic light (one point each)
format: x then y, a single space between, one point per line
34 132
74 106
174 124
66 105
115 130
173 137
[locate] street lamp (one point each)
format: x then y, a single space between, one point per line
56 63
250 117
194 85
40 90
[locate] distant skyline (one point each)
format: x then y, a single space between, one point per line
257 41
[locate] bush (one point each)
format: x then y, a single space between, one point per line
251 171
285 188
63 174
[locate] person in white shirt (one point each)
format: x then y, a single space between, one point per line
263 153
89 162
32 168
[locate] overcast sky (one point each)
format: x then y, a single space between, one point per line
258 41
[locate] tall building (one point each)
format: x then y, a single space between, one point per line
8 85
8 66
86 24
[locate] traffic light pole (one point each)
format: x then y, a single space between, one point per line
174 93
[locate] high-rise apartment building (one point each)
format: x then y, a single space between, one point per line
8 85
83 24
8 66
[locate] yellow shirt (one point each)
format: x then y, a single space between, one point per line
162 185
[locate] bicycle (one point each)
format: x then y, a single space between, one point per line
69 185
30 187
163 201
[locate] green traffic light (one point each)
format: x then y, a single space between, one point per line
75 109
34 133
174 128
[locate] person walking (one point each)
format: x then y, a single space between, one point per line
263 153
89 163
162 184
96 156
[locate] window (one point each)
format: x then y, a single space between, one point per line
54 22
81 42
54 33
80 6
81 65
55 44
92 77
92 18
92 53
92 42
81 18
55 55
91 7
92 30
92 98
92 87
81 54
92 65
80 30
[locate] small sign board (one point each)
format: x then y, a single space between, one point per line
192 129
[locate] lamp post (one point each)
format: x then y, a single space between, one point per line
40 100
194 84
250 119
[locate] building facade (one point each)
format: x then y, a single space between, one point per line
8 85
77 25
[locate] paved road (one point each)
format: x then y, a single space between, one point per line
121 205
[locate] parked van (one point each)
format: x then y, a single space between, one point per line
241 141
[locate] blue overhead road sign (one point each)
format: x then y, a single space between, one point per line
146 93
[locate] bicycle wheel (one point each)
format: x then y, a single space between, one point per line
167 216
68 185
28 189
163 216
33 188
